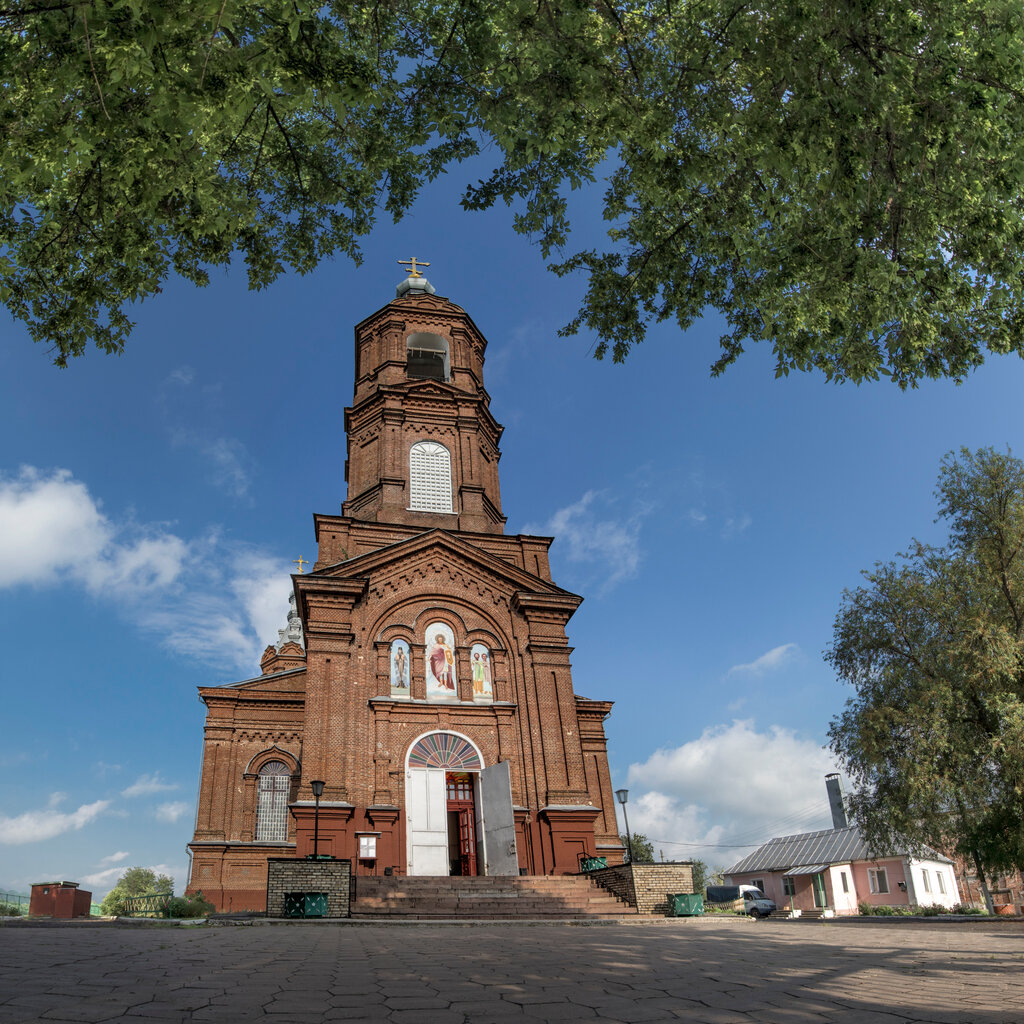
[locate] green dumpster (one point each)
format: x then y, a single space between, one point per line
305 904
685 904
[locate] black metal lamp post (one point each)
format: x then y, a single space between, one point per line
318 791
622 795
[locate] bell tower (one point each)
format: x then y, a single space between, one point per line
422 443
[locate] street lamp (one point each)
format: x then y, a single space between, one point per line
318 791
622 795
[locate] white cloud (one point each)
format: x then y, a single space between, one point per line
35 826
230 467
596 538
104 880
191 415
231 614
171 812
717 797
147 785
116 858
735 525
52 531
213 600
767 662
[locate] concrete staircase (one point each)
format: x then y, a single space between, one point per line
564 897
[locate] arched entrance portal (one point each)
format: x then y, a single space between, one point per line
458 813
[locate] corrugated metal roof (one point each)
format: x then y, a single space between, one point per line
808 869
830 846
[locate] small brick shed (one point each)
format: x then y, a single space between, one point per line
59 899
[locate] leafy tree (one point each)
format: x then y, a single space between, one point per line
642 849
934 648
704 875
135 881
839 181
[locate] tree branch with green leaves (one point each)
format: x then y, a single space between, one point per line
843 183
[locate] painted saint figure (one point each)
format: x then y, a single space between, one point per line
441 662
400 668
439 658
480 659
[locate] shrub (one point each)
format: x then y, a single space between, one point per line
884 910
188 906
10 910
966 908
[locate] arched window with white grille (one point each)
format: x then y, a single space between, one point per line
272 805
430 478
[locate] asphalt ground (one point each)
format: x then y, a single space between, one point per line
705 971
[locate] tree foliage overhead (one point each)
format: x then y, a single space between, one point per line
934 647
840 181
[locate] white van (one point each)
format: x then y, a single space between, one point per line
755 903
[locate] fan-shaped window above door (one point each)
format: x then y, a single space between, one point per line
445 750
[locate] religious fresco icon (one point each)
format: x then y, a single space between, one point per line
440 667
400 669
483 683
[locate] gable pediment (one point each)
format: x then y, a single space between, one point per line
422 558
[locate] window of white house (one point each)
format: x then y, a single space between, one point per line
878 881
927 884
430 478
789 885
427 356
845 881
272 803
942 884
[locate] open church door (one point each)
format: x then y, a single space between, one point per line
497 826
426 821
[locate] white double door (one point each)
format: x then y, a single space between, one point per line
426 822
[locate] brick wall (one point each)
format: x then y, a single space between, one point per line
286 874
646 886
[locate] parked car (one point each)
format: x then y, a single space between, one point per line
755 902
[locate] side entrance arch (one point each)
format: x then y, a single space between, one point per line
458 813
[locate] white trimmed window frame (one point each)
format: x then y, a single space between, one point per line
878 881
272 790
430 478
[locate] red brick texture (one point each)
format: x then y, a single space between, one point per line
385 573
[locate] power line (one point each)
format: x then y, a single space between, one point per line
804 813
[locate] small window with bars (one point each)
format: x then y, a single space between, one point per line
272 805
430 478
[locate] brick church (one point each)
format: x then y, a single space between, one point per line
424 674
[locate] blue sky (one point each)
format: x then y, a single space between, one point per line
151 505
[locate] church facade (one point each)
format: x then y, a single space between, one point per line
424 676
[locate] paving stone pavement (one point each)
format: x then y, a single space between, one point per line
701 971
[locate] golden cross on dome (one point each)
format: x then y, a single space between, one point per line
300 562
414 265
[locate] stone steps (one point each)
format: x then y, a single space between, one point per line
537 896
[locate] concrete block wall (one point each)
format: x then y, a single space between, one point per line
646 886
288 874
